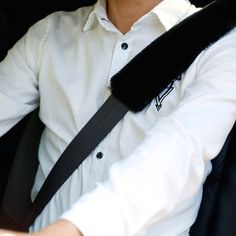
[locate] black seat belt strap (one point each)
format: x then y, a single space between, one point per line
110 113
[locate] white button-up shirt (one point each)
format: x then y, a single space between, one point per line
148 180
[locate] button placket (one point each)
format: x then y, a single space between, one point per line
97 166
120 57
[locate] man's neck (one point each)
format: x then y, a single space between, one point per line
124 13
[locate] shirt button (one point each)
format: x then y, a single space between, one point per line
99 155
124 46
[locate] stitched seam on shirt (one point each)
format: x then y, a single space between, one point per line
45 36
35 69
43 40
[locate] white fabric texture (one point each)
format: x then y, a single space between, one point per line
149 180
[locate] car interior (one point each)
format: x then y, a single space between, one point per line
217 213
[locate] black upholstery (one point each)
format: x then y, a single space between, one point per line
223 217
21 14
218 211
3 33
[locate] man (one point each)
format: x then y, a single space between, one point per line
145 178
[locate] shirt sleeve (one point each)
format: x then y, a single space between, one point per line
19 92
168 167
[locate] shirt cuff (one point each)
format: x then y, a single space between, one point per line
98 209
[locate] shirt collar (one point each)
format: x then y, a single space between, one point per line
169 12
97 14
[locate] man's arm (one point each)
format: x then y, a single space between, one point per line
19 94
169 166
